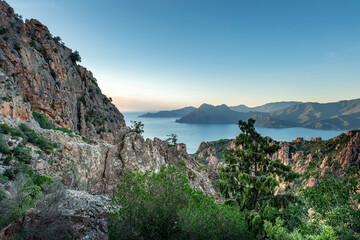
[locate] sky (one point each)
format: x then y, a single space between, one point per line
167 54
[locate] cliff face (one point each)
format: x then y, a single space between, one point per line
39 74
41 69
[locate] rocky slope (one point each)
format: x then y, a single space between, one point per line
39 74
45 74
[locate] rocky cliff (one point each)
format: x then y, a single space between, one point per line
45 74
88 149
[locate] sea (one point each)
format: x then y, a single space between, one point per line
193 134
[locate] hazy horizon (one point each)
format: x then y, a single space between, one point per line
163 55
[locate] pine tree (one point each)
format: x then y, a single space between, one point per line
249 177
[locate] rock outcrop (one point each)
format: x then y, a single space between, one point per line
45 74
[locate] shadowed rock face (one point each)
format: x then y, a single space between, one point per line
41 70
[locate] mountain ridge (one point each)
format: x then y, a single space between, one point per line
343 115
169 113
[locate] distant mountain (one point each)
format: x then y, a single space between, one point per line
269 107
169 114
337 115
207 113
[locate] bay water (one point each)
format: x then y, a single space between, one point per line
193 134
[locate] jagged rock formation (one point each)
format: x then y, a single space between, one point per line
343 149
42 71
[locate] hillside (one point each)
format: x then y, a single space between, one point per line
336 115
178 113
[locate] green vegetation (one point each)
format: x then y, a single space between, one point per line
137 127
163 206
250 178
17 46
171 140
53 74
57 39
3 31
46 124
335 199
75 57
43 121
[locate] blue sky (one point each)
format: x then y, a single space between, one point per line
164 54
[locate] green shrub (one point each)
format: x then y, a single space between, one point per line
137 127
43 121
7 160
163 206
4 128
3 31
3 179
22 154
53 74
33 43
9 173
4 147
32 137
207 220
279 232
17 46
57 39
75 57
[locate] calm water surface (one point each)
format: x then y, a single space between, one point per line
193 134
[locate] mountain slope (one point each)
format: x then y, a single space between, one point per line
342 115
169 114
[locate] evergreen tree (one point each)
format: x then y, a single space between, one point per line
249 177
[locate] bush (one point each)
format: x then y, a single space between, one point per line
278 232
22 154
4 128
4 147
75 57
17 46
57 39
2 31
32 137
137 127
53 74
43 121
163 206
9 173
